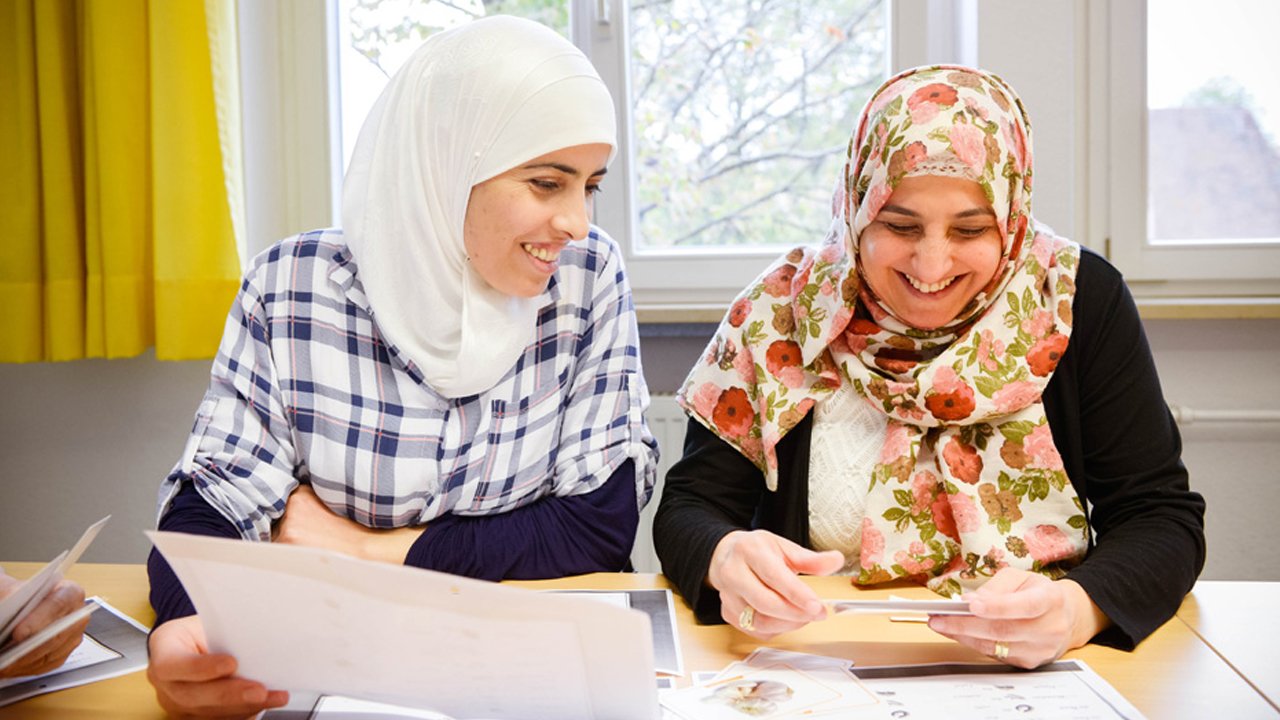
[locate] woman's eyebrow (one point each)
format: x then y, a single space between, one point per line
900 210
566 169
976 211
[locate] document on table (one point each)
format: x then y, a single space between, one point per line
113 645
305 619
780 685
1064 690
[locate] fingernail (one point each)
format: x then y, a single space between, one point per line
814 608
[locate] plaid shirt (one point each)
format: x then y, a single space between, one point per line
304 388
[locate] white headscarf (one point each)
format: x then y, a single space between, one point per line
470 104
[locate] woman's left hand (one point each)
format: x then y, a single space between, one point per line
308 521
1034 618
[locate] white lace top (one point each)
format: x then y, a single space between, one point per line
847 437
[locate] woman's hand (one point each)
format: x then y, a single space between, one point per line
759 569
191 682
308 521
1036 619
65 598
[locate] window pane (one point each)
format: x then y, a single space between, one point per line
1214 120
377 36
742 112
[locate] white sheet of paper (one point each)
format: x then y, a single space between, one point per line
301 618
16 607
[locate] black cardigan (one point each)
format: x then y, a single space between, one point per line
1118 442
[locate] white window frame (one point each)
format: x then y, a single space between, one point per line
1117 162
1079 65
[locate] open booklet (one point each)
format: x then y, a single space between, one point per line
310 620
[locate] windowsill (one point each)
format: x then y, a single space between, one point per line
1258 308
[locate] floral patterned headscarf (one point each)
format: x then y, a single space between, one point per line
969 479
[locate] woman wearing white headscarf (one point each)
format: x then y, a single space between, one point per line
446 381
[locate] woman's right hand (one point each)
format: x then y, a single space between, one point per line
191 682
760 569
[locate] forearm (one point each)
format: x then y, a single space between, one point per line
552 537
710 492
188 513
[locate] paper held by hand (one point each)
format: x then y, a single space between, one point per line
298 618
895 606
17 606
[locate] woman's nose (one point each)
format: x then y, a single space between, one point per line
573 219
932 261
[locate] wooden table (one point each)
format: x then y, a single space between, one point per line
1174 674
1239 621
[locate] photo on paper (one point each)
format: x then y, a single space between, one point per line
774 692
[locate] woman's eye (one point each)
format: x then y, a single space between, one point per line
970 232
593 190
901 229
547 185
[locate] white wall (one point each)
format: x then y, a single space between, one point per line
83 439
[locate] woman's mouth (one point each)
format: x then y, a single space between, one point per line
928 288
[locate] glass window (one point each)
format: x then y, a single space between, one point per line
1214 122
741 110
377 36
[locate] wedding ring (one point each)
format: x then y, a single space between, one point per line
747 619
1001 651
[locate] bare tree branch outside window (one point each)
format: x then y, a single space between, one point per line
742 108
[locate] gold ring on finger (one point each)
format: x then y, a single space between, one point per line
1001 651
747 618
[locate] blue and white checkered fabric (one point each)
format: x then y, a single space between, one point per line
304 388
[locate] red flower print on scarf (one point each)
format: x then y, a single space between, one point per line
907 559
1039 447
1043 357
872 544
964 513
1015 396
778 282
1048 544
782 354
733 413
739 312
967 142
704 399
963 461
876 199
950 399
942 517
925 102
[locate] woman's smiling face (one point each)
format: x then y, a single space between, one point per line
518 222
934 245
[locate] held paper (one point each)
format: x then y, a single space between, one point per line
301 618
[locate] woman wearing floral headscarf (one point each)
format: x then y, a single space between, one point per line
944 391
451 380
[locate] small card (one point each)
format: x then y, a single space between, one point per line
16 607
927 607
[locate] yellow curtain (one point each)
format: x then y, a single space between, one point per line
120 177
